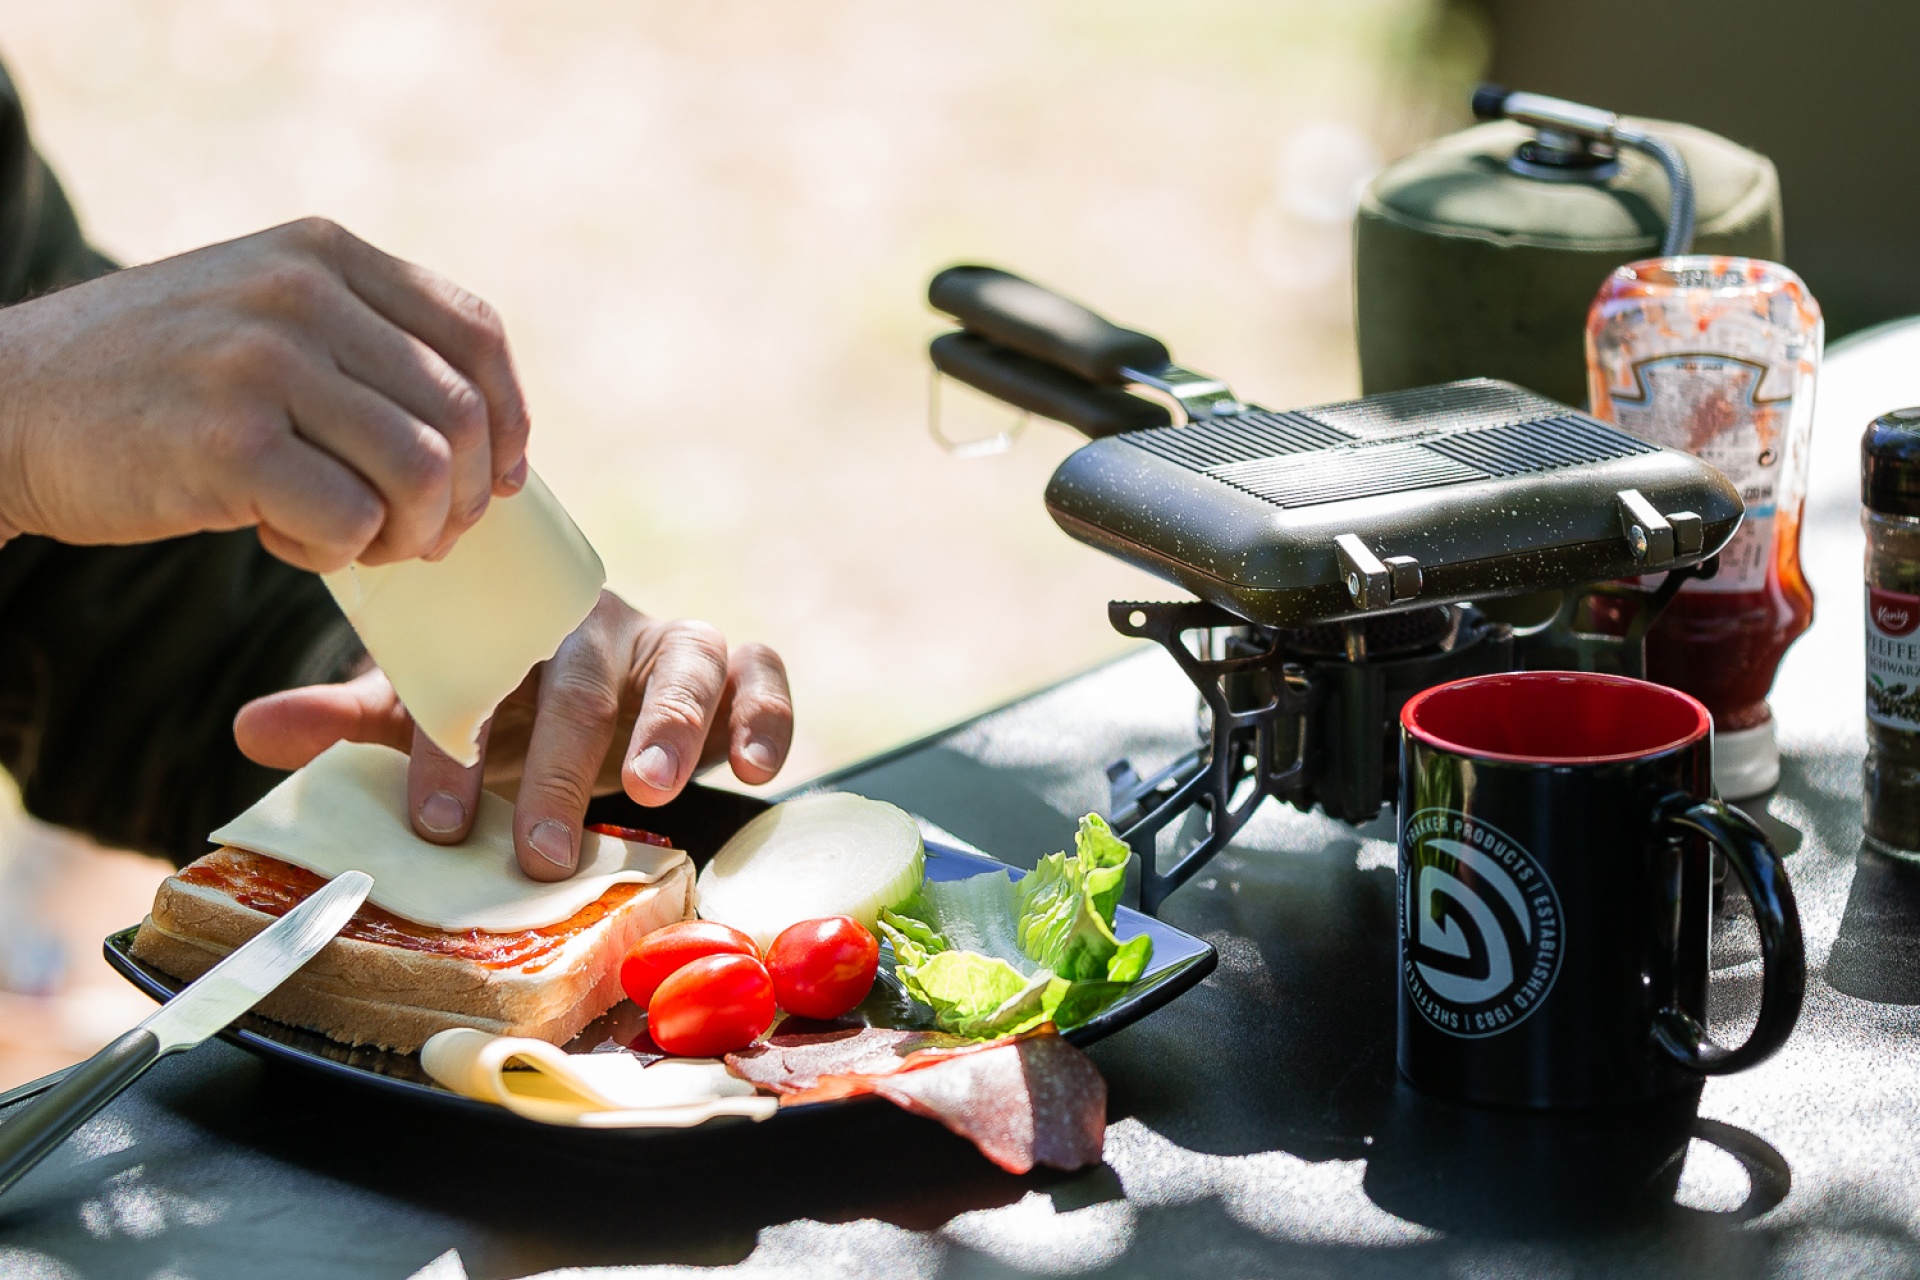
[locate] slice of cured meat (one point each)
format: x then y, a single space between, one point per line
1026 1100
794 1063
1038 1100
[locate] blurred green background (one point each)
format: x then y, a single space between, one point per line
710 228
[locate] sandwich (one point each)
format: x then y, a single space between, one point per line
451 936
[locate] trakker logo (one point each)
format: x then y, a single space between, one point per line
1481 936
1893 613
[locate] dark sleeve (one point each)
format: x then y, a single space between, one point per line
121 668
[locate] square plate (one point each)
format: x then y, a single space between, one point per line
1180 960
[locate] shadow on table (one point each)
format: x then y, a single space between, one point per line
1876 955
1488 1172
546 1198
1289 1044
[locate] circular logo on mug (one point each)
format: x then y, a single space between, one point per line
1480 930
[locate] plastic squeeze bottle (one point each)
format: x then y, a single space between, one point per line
1717 356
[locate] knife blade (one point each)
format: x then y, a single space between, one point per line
204 1007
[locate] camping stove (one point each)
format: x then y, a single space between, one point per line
1345 556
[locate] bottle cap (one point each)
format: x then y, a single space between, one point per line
1746 762
1890 464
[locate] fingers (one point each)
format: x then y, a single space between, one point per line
399 366
405 460
577 711
461 328
443 796
287 730
312 510
684 683
755 729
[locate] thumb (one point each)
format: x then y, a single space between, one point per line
286 730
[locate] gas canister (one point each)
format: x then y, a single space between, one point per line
1478 255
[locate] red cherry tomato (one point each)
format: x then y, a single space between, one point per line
658 955
713 1006
822 968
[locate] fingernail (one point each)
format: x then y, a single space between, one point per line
442 813
554 842
759 753
517 477
657 767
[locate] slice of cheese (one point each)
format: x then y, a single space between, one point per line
457 635
347 811
598 1090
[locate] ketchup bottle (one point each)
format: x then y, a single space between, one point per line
1717 356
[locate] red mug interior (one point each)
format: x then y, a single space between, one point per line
1555 717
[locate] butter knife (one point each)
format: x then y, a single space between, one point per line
203 1008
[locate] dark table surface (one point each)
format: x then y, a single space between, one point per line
1258 1126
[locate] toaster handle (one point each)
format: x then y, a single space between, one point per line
1051 392
1037 322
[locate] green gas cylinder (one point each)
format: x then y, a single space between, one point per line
1479 254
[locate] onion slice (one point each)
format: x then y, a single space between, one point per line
828 854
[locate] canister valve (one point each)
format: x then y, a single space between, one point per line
1577 142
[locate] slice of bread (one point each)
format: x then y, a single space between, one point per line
367 992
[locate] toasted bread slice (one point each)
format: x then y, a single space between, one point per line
389 983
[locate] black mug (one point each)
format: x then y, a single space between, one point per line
1555 904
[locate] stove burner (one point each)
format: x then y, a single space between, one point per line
1381 634
1310 715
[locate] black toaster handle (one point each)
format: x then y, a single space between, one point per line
1029 384
1037 322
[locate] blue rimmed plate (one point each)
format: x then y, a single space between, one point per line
1180 960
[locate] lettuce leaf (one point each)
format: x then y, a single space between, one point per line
993 956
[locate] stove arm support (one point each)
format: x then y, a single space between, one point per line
1228 778
1562 646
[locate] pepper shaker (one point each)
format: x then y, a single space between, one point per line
1890 501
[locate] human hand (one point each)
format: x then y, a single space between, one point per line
627 701
349 405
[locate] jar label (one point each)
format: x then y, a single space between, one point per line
1710 405
1893 659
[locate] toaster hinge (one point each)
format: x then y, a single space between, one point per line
1374 583
1658 539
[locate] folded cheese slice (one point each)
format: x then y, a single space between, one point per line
347 811
595 1090
457 635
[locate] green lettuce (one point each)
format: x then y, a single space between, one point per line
992 956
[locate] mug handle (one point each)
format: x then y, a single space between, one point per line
1783 960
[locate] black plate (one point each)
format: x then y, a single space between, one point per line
1180 960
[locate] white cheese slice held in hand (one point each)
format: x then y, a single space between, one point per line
457 635
347 811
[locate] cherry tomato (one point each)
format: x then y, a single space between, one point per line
822 968
633 835
658 955
713 1006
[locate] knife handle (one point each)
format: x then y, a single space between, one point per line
44 1123
1038 322
1026 383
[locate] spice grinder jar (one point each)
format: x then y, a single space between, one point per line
1890 513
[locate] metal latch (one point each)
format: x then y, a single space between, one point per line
1372 582
1658 539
